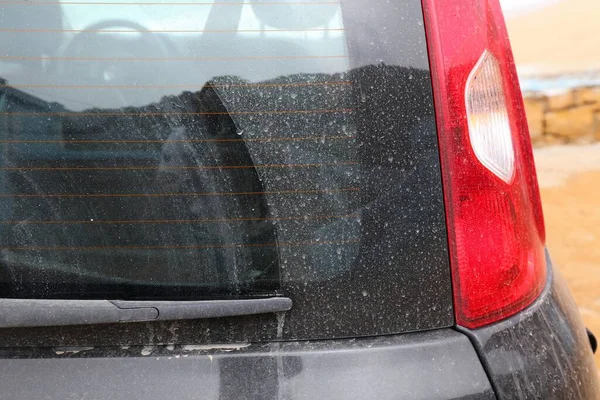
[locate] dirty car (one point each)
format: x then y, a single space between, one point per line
273 200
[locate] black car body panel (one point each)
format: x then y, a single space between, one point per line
430 365
541 353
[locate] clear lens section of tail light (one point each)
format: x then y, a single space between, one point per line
487 116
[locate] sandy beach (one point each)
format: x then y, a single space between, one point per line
558 38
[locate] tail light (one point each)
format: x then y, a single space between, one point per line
493 208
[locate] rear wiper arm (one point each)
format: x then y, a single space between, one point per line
33 312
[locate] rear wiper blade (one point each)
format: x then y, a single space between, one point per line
16 313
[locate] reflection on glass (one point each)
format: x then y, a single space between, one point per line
174 151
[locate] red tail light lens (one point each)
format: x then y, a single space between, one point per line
493 208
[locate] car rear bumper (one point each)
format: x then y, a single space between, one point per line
542 353
439 364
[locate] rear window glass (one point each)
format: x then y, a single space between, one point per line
195 150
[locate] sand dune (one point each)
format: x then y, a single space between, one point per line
559 38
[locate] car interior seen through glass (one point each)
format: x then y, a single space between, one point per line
191 151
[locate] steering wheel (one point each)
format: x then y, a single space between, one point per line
91 57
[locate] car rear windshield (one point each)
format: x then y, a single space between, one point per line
214 149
